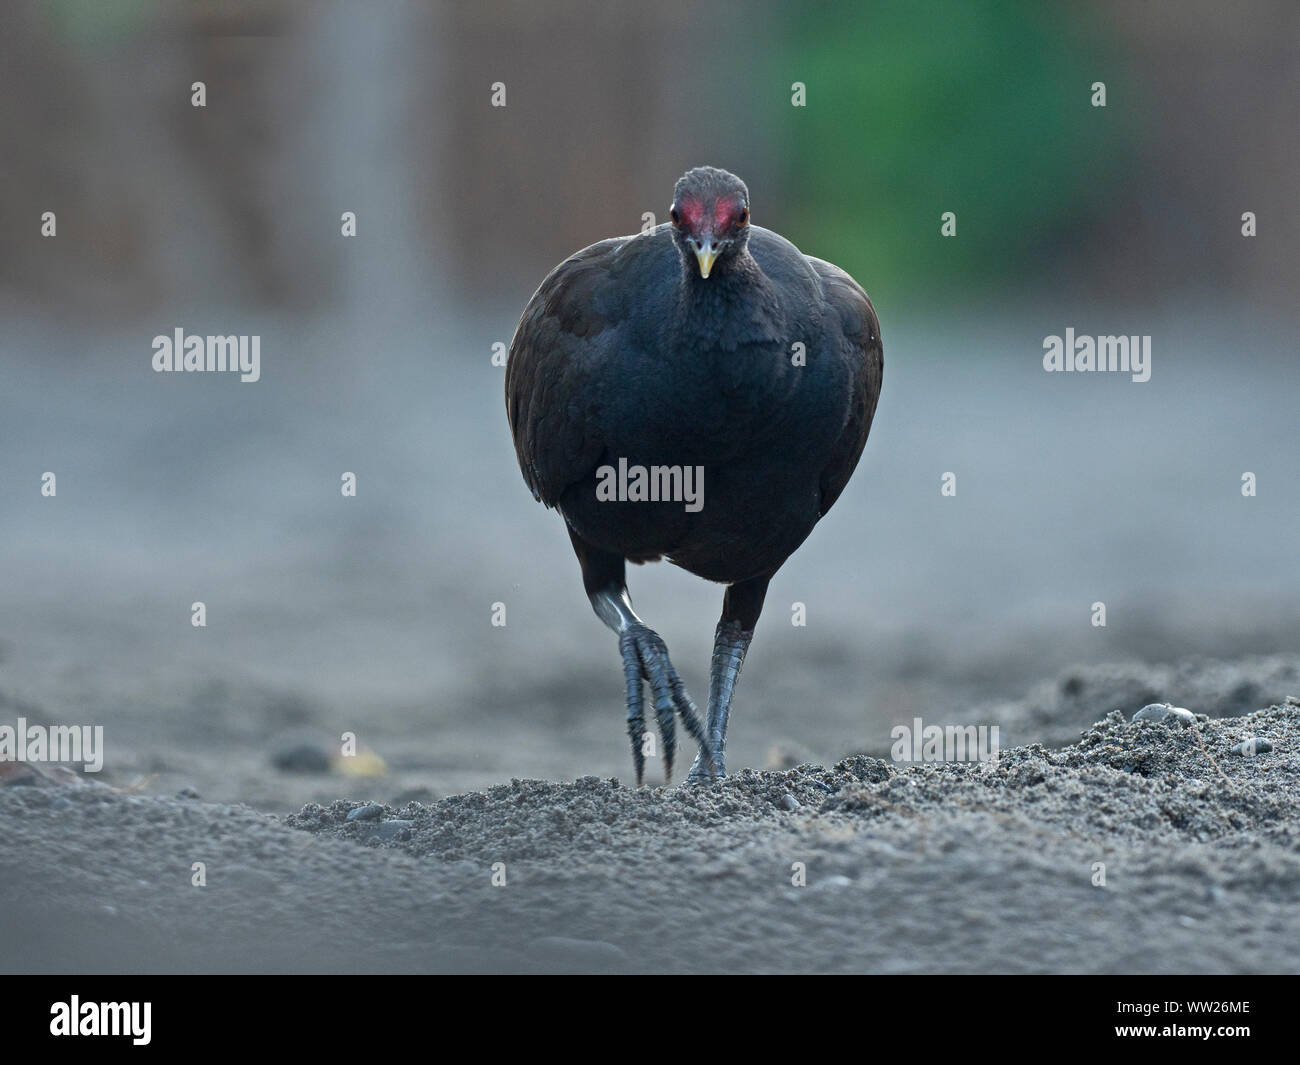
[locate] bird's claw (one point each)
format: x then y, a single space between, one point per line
645 658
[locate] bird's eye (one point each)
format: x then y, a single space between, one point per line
743 217
677 218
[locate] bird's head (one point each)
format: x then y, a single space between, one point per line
710 218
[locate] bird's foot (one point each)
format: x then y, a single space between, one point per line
645 657
710 770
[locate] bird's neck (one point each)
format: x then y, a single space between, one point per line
735 304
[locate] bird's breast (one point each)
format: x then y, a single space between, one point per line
705 400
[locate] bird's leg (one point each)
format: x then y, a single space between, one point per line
741 607
730 642
645 659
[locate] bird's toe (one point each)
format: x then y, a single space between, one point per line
645 656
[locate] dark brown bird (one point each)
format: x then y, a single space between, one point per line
699 393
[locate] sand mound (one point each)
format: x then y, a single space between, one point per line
1142 847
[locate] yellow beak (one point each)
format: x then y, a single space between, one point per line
706 254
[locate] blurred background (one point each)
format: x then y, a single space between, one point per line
373 614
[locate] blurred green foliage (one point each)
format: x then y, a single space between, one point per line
980 108
95 22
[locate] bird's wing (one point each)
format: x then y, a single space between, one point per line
562 341
858 338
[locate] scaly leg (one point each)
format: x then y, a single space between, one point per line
741 607
645 658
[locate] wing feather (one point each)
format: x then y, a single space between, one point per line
860 343
564 338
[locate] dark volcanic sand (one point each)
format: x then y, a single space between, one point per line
947 867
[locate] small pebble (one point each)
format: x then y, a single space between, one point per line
1253 746
789 802
187 793
1170 715
370 812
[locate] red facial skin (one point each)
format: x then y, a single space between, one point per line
727 212
691 212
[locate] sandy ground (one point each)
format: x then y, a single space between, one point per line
947 867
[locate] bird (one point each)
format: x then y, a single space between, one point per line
699 392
